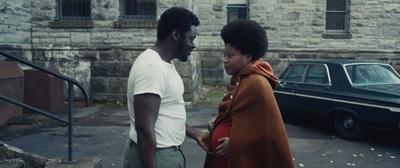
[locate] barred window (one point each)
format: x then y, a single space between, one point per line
138 9
237 9
74 9
337 16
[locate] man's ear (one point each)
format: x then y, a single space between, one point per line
176 34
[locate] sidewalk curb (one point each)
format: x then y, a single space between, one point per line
86 111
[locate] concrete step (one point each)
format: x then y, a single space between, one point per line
12 157
79 163
31 161
12 163
86 111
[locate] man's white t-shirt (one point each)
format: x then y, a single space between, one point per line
150 74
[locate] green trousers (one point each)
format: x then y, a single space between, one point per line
171 157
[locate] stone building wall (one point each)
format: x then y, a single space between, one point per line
295 29
100 56
15 26
212 14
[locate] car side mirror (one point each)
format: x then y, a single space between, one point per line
282 84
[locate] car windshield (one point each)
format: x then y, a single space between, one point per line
371 74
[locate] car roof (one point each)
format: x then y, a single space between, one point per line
336 61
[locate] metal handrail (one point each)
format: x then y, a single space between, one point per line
71 83
17 103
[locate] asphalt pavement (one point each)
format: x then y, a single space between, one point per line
101 131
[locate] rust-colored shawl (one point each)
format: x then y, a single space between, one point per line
258 137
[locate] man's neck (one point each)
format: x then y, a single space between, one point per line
164 50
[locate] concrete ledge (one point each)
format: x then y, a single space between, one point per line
65 24
135 24
86 111
79 163
12 163
9 152
12 157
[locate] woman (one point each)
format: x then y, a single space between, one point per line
248 131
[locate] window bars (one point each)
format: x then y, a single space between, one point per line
337 16
237 9
138 9
74 9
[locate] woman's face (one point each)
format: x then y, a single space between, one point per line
234 60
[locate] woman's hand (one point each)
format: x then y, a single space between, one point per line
222 149
211 124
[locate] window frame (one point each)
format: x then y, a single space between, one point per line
61 22
230 7
287 71
59 15
135 21
305 72
344 66
124 16
326 71
338 34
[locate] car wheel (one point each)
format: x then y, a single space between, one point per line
348 126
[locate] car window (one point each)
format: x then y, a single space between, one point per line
317 74
294 73
371 74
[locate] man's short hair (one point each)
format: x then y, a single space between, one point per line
247 36
175 17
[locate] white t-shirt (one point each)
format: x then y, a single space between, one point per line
150 74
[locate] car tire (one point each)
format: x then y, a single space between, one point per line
348 126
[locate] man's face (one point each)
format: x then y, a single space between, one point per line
186 44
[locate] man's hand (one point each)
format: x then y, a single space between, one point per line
204 141
223 148
202 138
211 124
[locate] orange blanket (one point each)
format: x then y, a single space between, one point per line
258 137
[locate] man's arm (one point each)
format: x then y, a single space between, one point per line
146 107
202 138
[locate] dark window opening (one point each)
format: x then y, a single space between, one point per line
337 16
74 9
139 9
237 11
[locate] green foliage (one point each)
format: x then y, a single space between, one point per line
211 96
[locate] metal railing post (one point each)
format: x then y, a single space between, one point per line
71 83
70 119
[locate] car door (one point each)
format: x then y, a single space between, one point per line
285 94
313 93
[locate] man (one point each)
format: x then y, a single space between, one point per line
155 102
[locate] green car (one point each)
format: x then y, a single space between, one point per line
351 94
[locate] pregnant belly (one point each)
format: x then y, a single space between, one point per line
222 130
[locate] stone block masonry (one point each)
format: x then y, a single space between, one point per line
99 54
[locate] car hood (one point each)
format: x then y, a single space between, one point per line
393 89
